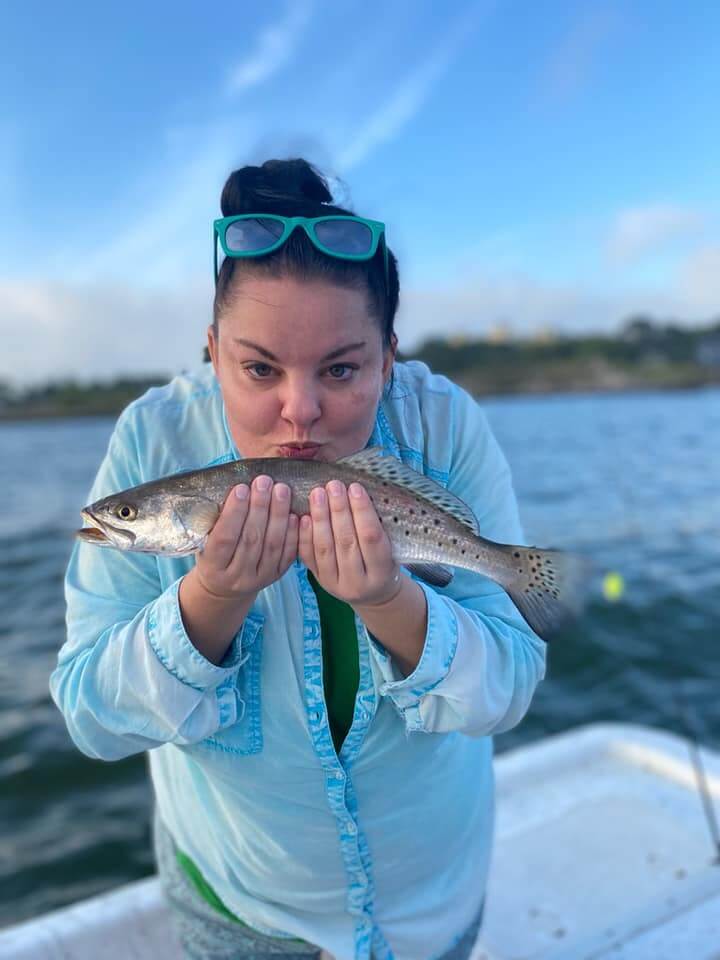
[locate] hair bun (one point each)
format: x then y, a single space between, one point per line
276 185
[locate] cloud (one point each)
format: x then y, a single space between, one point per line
578 53
406 102
639 231
274 48
52 330
165 233
526 305
699 280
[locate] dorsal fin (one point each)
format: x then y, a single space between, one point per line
388 468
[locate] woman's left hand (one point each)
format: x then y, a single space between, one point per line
344 545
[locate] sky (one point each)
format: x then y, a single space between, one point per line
539 166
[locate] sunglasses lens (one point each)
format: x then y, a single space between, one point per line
344 236
253 235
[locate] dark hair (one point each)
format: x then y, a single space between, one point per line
295 188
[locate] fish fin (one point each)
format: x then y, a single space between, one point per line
433 573
374 462
198 516
551 593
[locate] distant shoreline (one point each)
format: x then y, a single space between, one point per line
643 356
30 414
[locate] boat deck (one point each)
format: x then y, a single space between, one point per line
603 852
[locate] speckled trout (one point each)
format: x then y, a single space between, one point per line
428 526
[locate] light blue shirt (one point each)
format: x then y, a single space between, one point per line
385 848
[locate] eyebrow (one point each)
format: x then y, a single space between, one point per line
328 356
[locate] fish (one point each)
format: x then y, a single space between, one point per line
430 529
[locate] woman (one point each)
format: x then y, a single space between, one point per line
318 721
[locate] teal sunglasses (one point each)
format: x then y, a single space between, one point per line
257 234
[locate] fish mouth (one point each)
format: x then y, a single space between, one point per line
97 532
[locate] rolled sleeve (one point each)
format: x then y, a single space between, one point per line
481 662
167 636
438 652
128 678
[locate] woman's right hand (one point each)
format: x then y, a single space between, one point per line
253 542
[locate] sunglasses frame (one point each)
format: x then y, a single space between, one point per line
376 227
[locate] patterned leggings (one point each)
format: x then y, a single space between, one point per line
207 935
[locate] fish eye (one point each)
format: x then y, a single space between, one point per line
125 511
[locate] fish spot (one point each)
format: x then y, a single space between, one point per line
436 522
516 554
407 533
411 511
424 512
454 540
462 552
425 529
395 519
439 543
386 499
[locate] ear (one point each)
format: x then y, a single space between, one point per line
389 358
213 347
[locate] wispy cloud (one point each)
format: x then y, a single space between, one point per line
699 280
413 91
273 48
53 330
526 304
639 231
571 64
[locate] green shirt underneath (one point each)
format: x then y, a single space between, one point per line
341 677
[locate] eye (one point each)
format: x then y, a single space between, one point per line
125 511
341 371
260 371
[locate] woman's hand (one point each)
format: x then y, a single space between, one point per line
253 542
344 545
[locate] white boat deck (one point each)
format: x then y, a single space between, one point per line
603 852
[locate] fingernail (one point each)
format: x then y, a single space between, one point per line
242 491
355 490
335 488
263 483
305 521
318 497
281 491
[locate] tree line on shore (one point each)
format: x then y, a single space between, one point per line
644 353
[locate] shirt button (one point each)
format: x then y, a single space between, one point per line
351 828
365 716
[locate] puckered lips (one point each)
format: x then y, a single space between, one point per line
300 451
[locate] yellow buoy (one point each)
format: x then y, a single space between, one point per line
613 586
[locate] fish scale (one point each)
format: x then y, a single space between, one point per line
429 528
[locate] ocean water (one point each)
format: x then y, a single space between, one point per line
633 480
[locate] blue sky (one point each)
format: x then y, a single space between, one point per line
538 164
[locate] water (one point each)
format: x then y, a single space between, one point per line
633 479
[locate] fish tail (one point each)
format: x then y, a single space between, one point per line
548 587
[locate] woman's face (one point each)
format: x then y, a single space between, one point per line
299 363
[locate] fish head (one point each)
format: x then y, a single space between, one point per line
147 520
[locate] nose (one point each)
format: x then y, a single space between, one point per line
300 405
